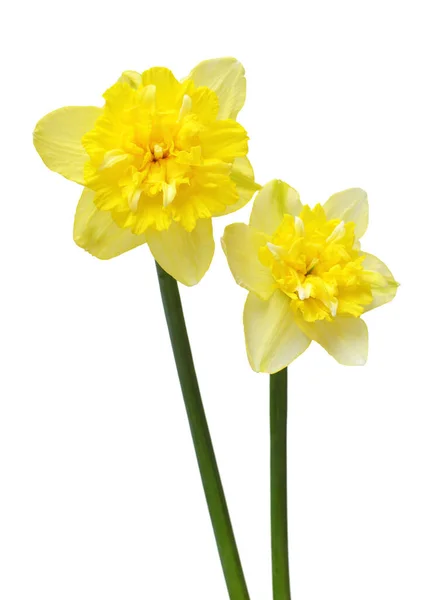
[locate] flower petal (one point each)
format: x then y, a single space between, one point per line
133 78
58 139
168 90
184 255
241 244
345 338
224 140
242 175
97 233
272 202
273 338
226 77
350 205
387 290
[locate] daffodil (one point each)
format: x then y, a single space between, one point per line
307 277
157 162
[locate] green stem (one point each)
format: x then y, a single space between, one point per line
278 485
208 468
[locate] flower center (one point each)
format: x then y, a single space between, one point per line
316 263
158 154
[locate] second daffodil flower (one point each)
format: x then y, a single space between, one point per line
306 275
158 161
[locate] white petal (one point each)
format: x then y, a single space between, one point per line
226 77
133 78
186 107
384 293
184 255
272 202
349 205
242 174
169 192
241 244
96 232
344 338
58 139
273 338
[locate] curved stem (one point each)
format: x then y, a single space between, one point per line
278 485
208 468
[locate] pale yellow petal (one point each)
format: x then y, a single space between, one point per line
96 232
386 291
273 338
133 78
58 139
344 338
272 202
226 77
241 244
184 255
242 175
350 205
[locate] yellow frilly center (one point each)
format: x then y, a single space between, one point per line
317 264
158 153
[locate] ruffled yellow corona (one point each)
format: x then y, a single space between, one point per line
307 276
158 161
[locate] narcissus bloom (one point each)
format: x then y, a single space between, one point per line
306 275
157 161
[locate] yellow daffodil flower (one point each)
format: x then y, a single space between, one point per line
306 275
157 161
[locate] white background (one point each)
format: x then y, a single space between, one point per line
100 494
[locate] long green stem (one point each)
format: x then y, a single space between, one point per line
278 485
208 468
